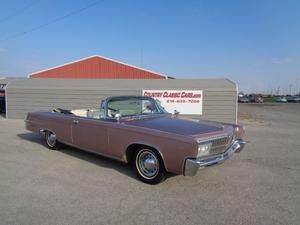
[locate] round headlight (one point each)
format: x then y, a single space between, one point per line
204 149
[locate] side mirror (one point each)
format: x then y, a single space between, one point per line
176 113
118 116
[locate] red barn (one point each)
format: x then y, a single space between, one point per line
97 67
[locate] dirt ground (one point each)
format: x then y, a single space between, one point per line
261 185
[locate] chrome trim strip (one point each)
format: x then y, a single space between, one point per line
94 152
192 165
213 138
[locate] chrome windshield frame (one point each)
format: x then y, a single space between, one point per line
104 106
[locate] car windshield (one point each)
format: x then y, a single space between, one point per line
133 106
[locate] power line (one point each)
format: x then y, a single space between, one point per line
18 11
72 13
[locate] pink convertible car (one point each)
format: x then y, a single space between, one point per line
137 130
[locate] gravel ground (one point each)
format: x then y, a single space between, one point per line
261 185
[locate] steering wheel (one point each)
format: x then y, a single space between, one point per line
111 112
112 109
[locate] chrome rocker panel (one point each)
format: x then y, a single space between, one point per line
192 165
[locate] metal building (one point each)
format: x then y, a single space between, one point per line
3 83
97 67
23 96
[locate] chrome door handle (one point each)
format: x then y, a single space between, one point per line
75 121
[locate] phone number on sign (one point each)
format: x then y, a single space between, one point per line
183 101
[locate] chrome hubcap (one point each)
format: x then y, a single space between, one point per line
51 139
147 164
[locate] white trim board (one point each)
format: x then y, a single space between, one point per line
99 56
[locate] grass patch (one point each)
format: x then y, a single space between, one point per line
269 99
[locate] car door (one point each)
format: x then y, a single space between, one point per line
90 134
61 125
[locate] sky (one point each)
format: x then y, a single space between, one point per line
255 43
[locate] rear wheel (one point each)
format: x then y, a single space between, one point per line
51 140
149 166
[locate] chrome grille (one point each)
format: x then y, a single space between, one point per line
220 142
219 145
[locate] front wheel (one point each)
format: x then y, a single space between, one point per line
51 140
149 166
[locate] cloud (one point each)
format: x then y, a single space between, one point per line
281 61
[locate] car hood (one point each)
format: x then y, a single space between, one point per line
185 127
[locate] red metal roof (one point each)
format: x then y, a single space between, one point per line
97 67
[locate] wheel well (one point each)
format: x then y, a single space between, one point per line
134 147
44 131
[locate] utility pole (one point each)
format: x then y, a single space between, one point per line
278 90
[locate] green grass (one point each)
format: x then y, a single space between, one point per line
269 99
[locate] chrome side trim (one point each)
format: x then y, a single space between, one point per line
94 152
213 138
192 165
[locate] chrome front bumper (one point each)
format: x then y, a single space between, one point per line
192 165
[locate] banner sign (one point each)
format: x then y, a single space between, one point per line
188 102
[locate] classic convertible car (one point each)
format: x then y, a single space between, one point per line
137 130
